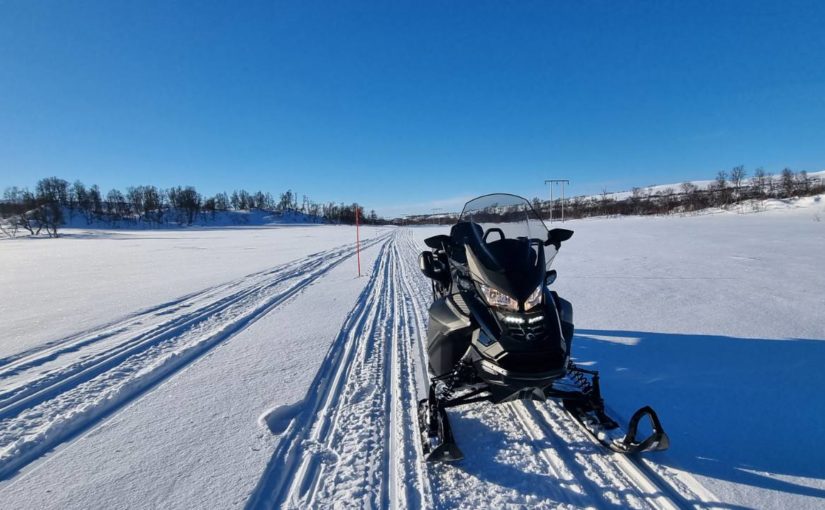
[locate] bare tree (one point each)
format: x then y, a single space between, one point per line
721 186
759 180
189 200
788 182
9 226
116 206
721 180
52 189
737 175
286 200
221 202
689 192
804 184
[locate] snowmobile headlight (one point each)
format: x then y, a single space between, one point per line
498 299
534 298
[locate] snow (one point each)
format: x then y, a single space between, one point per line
725 316
57 287
233 367
196 442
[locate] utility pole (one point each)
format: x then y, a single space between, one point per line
563 182
436 209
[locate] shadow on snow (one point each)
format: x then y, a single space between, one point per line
736 409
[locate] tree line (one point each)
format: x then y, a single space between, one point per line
54 201
727 189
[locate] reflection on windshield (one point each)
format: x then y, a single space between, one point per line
504 216
510 213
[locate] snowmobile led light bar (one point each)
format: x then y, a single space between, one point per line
512 319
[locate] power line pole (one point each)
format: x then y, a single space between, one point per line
436 209
563 182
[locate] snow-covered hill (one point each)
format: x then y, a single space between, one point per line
700 184
252 368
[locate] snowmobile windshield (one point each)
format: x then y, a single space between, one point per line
506 237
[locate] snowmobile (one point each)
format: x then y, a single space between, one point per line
497 332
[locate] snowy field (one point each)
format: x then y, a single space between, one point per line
53 289
249 367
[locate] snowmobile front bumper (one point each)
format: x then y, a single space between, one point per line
505 385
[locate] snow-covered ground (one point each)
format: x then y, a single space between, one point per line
54 288
249 367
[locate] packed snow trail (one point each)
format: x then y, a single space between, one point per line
53 393
353 440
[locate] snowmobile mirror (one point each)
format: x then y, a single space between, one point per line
438 242
425 262
558 236
550 277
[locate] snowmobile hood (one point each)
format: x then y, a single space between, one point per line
514 270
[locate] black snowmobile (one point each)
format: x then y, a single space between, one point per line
497 333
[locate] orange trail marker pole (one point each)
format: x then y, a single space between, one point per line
358 240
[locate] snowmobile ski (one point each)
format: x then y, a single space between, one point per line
607 432
588 410
436 434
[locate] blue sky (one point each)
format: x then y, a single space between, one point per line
406 106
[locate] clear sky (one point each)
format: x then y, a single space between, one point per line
406 106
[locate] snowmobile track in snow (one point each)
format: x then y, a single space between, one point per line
355 438
51 394
609 478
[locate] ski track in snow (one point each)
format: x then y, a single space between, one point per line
355 441
51 394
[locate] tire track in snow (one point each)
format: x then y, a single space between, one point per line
28 372
609 482
53 394
353 443
413 383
